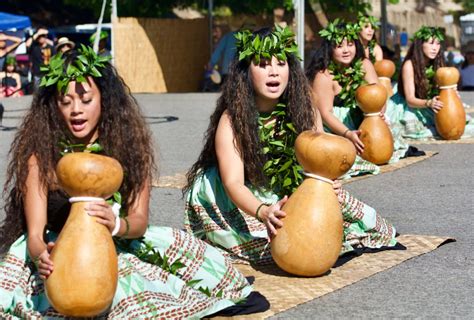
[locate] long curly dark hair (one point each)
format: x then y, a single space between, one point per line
238 99
419 62
322 57
121 126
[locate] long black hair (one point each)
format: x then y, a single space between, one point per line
419 61
322 57
238 99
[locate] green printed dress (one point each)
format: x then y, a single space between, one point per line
144 290
211 215
417 123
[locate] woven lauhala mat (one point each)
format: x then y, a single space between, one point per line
179 180
405 162
285 291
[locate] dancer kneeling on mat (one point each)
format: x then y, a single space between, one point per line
247 168
84 105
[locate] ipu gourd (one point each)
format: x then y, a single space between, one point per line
450 121
85 274
385 70
375 133
310 240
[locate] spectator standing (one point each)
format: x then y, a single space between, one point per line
40 49
103 51
5 48
64 44
467 70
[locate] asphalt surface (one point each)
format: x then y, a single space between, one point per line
433 197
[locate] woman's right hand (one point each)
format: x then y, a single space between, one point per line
354 137
271 216
436 104
44 263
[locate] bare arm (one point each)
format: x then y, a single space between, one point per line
378 53
231 169
35 209
370 74
137 215
324 93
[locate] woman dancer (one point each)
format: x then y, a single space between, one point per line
10 82
247 168
368 25
83 103
415 102
337 69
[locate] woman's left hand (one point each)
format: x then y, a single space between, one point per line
337 185
384 118
103 213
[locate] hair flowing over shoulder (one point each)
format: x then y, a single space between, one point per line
418 60
238 100
322 57
122 132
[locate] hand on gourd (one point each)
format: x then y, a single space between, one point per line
337 185
354 137
103 212
384 118
44 263
271 215
436 104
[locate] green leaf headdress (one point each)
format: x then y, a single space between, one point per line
426 33
363 19
87 63
338 30
280 43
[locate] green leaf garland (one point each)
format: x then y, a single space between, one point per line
277 135
350 79
279 44
336 33
432 89
88 63
426 33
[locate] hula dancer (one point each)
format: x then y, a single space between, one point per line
413 106
248 167
336 70
83 104
368 26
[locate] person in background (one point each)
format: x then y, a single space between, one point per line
64 44
10 82
103 51
368 25
467 69
5 48
40 49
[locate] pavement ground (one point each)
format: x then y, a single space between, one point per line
433 197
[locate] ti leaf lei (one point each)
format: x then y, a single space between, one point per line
277 136
363 19
87 63
426 33
432 89
338 30
279 44
145 251
350 79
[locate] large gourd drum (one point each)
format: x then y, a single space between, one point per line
375 133
385 70
84 279
451 119
310 240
